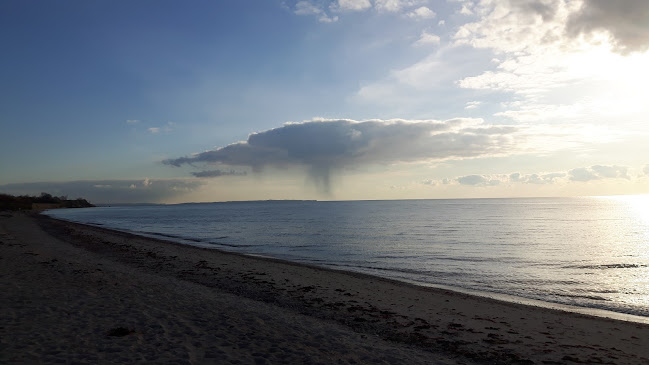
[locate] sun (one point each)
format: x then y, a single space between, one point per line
617 84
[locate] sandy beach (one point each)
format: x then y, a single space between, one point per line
78 294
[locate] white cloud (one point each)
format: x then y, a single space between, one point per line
324 18
421 13
543 178
610 172
478 180
427 39
132 121
351 5
466 8
598 172
554 76
168 127
307 8
408 8
582 174
396 5
472 104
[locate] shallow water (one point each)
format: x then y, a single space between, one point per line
588 252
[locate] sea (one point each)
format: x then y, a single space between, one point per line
590 254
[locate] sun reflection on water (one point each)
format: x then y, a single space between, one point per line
636 205
632 282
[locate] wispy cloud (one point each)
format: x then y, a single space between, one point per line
322 9
132 121
397 5
168 127
472 104
308 8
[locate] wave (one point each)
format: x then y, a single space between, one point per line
606 266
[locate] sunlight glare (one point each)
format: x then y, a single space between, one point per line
638 205
622 80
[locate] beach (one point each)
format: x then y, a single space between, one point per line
85 294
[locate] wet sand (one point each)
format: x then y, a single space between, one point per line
89 295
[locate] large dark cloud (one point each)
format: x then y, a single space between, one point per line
324 145
627 21
109 191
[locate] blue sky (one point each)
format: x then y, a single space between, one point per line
170 101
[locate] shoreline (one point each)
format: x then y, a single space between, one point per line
508 298
417 322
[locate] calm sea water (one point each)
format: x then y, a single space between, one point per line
588 252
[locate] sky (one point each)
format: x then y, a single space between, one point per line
165 101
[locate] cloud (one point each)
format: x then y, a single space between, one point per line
168 127
478 180
320 9
325 145
472 104
626 21
551 53
427 39
109 191
396 5
307 8
421 13
646 170
218 173
132 121
351 5
598 172
547 178
582 174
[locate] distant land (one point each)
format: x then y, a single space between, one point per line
42 202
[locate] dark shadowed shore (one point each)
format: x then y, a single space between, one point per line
89 295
